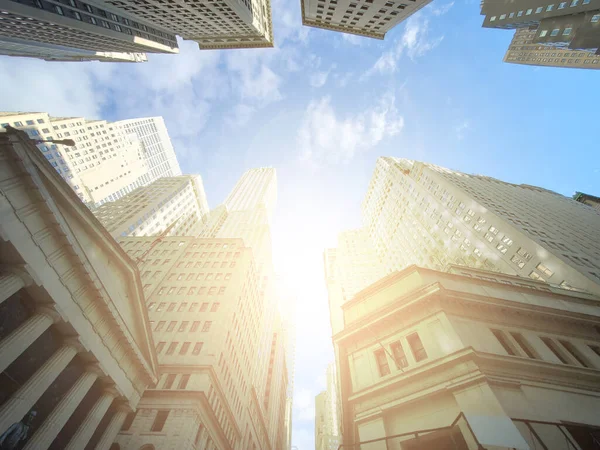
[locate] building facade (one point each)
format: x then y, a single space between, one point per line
47 29
76 349
522 50
327 427
158 149
369 18
214 25
108 160
419 213
176 206
572 24
469 359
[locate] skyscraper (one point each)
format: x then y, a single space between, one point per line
327 433
109 160
587 199
176 203
76 30
158 149
572 24
522 50
221 338
372 18
419 213
214 25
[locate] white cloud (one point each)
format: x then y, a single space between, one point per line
461 129
441 9
353 39
415 41
325 138
318 79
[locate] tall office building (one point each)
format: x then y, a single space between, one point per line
175 205
221 341
257 188
214 25
76 351
469 359
77 30
327 431
571 24
419 213
522 50
158 150
109 160
370 18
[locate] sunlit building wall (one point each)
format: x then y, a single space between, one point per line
108 161
370 18
76 349
176 206
327 431
419 213
479 359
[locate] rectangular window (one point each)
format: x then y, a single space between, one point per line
183 326
161 306
185 378
193 307
567 31
195 326
562 5
524 345
382 363
549 7
171 325
215 307
204 307
182 307
197 348
160 346
508 348
399 355
206 326
169 381
159 421
554 349
184 348
172 347
542 268
416 346
160 325
575 353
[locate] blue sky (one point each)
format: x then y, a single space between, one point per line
321 107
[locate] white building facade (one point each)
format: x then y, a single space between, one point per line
422 214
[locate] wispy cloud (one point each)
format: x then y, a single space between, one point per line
415 41
440 10
326 138
461 129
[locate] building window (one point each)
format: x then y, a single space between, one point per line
528 12
184 348
93 21
416 346
197 348
493 19
539 9
206 326
59 10
399 355
595 17
549 7
160 346
382 363
567 31
183 326
195 326
128 421
185 378
215 307
159 421
554 349
169 381
160 325
504 342
542 268
575 353
524 345
172 347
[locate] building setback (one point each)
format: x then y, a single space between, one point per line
477 358
423 214
76 351
572 24
50 29
587 199
109 160
522 50
369 18
176 206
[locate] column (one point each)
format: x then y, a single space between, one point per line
92 420
57 419
17 342
29 393
113 428
10 283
